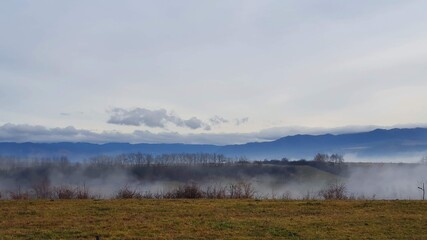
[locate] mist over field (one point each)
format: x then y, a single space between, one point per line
385 181
156 176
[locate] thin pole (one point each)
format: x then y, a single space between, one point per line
424 191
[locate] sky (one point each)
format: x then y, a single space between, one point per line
209 71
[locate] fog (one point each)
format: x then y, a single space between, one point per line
411 157
157 176
385 181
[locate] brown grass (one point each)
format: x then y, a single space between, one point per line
212 219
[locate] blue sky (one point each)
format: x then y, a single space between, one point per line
209 71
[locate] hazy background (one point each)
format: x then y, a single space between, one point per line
105 176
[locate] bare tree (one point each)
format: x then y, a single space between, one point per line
321 157
334 191
336 158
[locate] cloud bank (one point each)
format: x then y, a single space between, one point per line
161 118
153 118
35 133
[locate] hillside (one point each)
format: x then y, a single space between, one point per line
379 142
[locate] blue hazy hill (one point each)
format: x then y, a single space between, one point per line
379 142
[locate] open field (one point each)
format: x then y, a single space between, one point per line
212 219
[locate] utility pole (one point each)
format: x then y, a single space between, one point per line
424 190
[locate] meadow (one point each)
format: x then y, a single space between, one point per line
212 219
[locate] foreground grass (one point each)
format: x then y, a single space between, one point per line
212 219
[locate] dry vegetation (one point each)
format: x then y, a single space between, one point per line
212 219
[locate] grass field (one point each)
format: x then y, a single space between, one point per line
212 219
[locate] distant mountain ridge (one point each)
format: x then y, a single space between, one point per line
379 142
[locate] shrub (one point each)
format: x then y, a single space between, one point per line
286 196
241 190
82 193
335 191
126 193
64 192
216 192
19 194
187 191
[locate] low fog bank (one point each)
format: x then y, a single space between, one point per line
387 181
398 158
208 175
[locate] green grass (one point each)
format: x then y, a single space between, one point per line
213 219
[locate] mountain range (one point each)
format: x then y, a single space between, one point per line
376 143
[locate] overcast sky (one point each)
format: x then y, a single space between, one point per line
209 71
